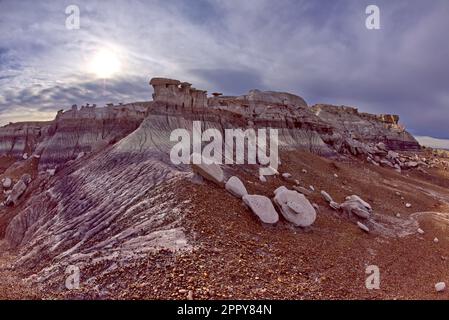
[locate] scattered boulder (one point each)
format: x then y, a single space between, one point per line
408 205
211 172
25 156
326 196
236 187
312 188
51 172
302 190
334 205
357 206
363 227
7 183
391 155
435 240
295 207
411 164
262 207
420 231
18 189
262 179
440 286
286 175
363 202
26 178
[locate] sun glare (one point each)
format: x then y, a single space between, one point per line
105 64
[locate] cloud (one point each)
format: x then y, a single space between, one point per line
319 50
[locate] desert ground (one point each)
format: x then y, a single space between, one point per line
235 256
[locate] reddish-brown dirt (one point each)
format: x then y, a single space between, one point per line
236 257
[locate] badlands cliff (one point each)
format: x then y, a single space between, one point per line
103 192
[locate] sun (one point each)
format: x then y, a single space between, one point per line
105 63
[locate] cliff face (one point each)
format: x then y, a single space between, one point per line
321 128
365 127
71 133
120 199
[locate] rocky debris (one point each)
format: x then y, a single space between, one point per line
80 155
302 190
362 226
18 189
211 172
357 206
262 207
326 196
6 182
236 187
363 202
26 178
286 175
334 205
295 207
440 286
420 231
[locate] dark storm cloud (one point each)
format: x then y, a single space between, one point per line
320 50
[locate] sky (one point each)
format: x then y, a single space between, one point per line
318 49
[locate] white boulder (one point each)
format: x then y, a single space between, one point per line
295 207
236 187
211 172
6 182
262 207
326 196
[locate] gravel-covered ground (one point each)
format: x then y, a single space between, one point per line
234 256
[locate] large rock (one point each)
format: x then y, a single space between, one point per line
357 206
18 189
363 202
295 207
235 186
211 172
262 207
354 207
